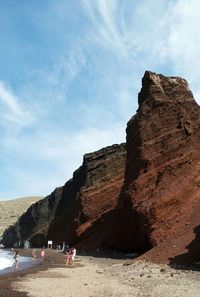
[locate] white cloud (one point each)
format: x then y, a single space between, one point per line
150 35
84 97
48 161
104 16
181 46
11 110
65 71
51 84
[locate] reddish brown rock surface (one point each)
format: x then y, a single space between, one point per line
81 212
85 213
156 208
160 202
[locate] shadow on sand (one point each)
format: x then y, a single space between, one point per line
191 259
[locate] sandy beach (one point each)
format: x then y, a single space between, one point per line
100 276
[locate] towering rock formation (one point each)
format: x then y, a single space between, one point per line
79 212
161 192
155 208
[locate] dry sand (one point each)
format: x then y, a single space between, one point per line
96 277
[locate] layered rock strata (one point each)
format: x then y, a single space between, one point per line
162 178
155 207
79 212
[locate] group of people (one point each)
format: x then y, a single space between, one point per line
34 254
15 264
70 255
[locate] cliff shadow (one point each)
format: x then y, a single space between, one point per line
191 259
97 240
130 227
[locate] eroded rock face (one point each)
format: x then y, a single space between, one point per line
162 178
34 223
81 210
89 199
155 207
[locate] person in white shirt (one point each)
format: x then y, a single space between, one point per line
73 255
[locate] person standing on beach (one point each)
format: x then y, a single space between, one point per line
34 253
69 254
73 255
42 253
16 260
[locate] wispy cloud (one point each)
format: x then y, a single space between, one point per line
75 79
107 22
11 110
161 36
43 163
129 28
182 44
66 70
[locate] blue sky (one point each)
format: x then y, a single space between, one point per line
70 72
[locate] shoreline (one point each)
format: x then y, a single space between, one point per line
24 264
52 259
99 275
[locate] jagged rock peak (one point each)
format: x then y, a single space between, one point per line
160 195
157 88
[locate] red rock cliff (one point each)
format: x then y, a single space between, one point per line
84 215
162 181
79 213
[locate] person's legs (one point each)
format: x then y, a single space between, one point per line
68 260
14 266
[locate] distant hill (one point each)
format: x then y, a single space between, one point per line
11 210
